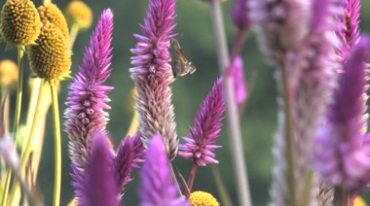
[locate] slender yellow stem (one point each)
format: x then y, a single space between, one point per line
57 145
17 115
28 148
135 123
73 35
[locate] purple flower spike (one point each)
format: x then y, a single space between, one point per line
157 186
153 75
97 185
130 153
207 127
342 160
87 98
239 14
237 72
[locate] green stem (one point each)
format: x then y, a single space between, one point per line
289 134
221 188
18 101
73 35
28 149
241 175
341 197
17 115
57 145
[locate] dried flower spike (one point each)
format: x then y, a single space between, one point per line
200 198
207 128
51 13
87 98
157 186
79 13
153 75
50 58
20 23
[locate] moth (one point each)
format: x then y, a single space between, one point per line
180 63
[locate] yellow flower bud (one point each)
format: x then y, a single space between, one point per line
200 198
50 58
51 12
77 12
8 72
19 23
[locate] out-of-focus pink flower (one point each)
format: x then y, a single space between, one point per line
239 15
157 186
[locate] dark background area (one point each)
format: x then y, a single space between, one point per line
196 37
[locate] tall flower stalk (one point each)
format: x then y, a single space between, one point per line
153 76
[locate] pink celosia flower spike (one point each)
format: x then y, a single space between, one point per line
87 98
239 14
157 186
153 75
200 145
96 185
130 153
341 161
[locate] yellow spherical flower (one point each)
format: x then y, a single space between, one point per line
50 58
200 198
19 23
50 12
8 72
359 202
77 12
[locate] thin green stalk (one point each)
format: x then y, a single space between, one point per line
221 188
17 115
341 197
73 35
289 135
18 101
57 145
241 176
28 149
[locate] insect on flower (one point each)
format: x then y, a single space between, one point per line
180 63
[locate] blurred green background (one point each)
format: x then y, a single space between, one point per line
197 40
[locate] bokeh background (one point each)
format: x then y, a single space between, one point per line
196 37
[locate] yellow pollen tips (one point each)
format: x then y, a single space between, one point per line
19 22
51 13
50 58
200 198
79 13
8 72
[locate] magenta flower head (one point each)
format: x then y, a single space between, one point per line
280 24
130 153
239 15
157 186
207 128
87 98
153 75
96 185
237 73
341 161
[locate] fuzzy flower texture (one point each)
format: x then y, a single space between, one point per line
87 98
207 127
342 161
153 75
